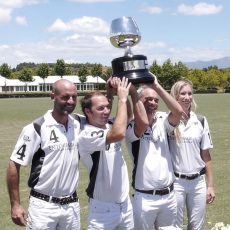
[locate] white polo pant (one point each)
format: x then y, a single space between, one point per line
109 215
154 210
43 215
192 195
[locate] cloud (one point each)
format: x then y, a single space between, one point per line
222 40
152 10
58 26
79 49
5 15
199 9
86 25
95 1
188 54
97 49
91 48
12 4
7 7
20 20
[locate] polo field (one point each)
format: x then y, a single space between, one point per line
15 113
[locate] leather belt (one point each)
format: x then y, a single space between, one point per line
160 192
58 200
191 176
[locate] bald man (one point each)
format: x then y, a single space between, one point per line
49 145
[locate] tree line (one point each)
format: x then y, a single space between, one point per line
167 73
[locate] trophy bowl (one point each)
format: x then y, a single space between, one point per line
124 33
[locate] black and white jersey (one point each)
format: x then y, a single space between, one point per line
106 165
186 151
52 151
150 155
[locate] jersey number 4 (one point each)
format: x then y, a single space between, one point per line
21 152
53 137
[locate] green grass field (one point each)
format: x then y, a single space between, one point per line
15 113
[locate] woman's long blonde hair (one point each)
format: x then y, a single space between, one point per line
175 92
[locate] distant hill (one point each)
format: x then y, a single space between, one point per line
221 63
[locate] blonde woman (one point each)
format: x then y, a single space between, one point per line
190 146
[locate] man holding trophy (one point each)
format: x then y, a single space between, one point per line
154 201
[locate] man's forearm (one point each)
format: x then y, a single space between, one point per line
140 116
13 178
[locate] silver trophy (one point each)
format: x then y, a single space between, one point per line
124 33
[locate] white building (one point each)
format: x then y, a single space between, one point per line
14 85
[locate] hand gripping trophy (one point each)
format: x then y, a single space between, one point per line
124 33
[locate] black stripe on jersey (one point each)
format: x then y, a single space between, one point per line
93 173
80 119
36 167
201 119
38 157
135 153
37 125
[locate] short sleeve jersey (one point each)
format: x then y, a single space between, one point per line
150 155
108 175
52 152
186 151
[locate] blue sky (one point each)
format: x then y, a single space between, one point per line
78 30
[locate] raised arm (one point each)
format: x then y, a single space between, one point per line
18 214
140 117
117 133
111 90
176 110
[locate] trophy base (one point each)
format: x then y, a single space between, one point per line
135 68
